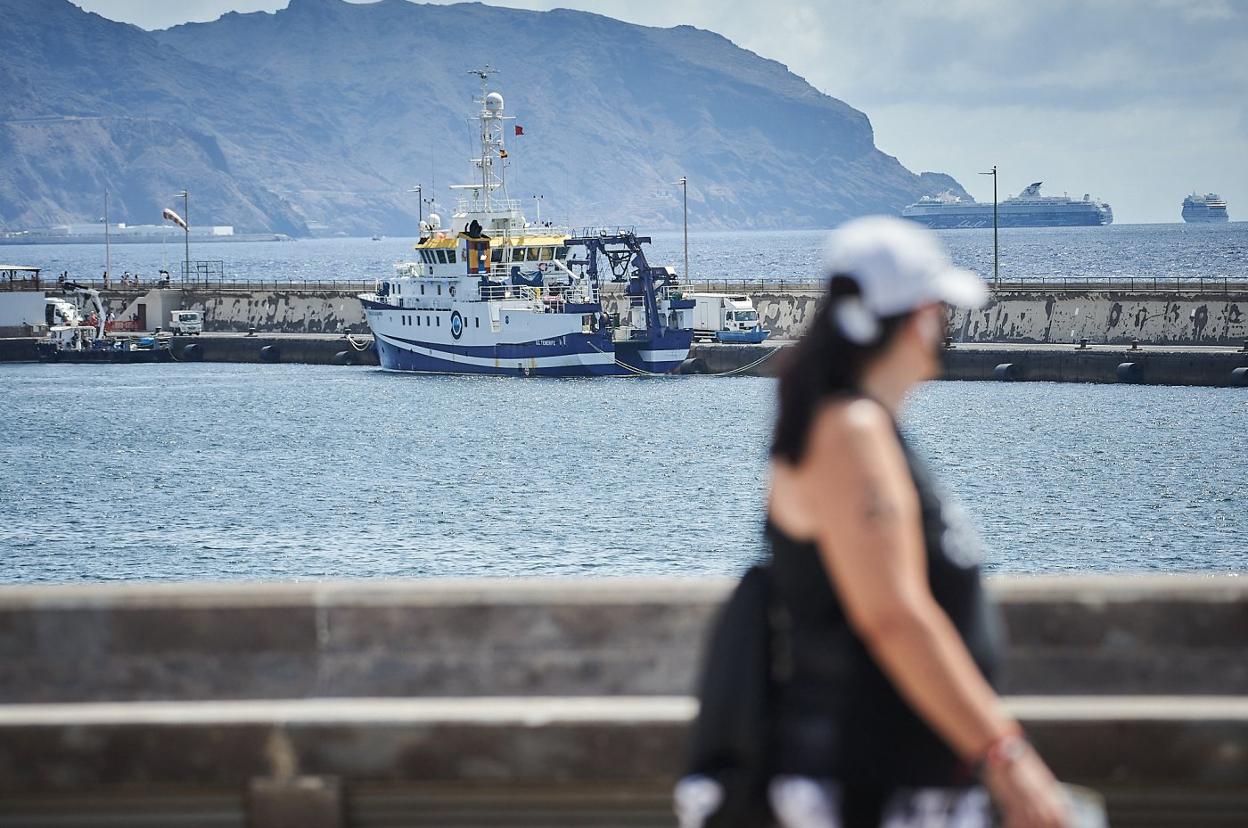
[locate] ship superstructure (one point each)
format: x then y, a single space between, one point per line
1209 208
493 293
1027 209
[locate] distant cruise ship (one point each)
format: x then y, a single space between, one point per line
1206 208
1027 209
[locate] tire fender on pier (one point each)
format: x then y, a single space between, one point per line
1239 377
693 365
1130 372
344 358
1007 372
193 353
270 353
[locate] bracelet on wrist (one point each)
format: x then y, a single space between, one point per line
1002 751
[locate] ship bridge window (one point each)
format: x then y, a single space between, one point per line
561 253
441 257
450 256
547 254
531 254
496 255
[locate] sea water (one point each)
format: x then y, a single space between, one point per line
1157 251
209 471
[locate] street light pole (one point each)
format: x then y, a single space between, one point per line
186 232
108 255
684 190
996 254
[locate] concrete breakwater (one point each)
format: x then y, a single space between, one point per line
1208 314
1150 365
526 702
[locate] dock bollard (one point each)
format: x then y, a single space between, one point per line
1130 372
1245 348
1239 377
1135 344
1006 372
270 353
1083 344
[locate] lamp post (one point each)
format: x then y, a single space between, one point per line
996 255
186 217
108 255
684 191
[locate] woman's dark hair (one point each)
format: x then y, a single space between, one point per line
824 362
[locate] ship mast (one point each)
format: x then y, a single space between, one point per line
491 121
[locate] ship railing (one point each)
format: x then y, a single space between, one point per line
554 298
465 205
603 231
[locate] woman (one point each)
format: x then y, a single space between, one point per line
883 714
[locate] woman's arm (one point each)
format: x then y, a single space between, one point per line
861 501
866 519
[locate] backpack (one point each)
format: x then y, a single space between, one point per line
731 742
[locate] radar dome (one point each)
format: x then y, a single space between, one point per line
494 102
435 221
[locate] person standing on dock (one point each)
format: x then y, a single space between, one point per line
848 682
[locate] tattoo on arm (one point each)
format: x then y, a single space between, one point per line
877 508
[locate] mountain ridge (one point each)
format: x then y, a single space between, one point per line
324 114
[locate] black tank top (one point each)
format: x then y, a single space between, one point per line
838 715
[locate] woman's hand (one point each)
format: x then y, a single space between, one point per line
1026 792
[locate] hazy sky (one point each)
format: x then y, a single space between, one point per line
1137 102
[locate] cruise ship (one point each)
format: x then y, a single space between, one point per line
1205 209
493 293
1027 209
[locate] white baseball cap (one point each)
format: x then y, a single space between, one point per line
900 265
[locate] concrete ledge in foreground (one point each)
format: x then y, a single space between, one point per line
619 756
1071 635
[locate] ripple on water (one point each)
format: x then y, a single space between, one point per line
233 471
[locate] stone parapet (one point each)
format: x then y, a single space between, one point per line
1070 635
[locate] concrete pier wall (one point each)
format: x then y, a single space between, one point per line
560 702
1204 317
1035 317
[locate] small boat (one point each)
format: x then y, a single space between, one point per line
79 340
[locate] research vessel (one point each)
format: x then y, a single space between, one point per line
493 293
1029 208
1209 208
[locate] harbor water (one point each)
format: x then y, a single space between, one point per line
1155 251
209 471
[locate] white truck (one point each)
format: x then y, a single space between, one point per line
726 317
186 323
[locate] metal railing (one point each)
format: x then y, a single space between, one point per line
1218 286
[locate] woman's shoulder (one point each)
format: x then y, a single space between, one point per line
851 418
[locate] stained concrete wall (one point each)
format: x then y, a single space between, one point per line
268 311
1108 317
1012 316
1027 317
